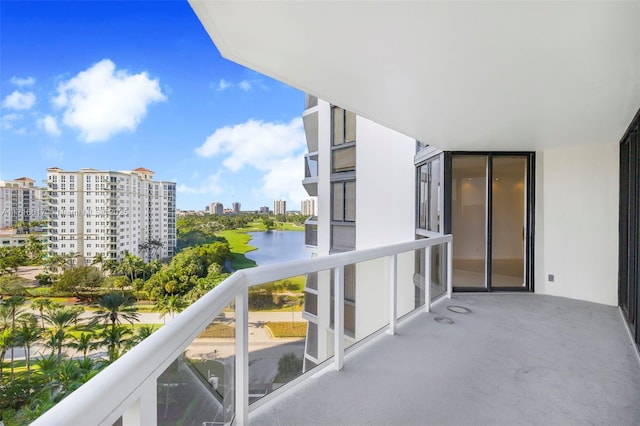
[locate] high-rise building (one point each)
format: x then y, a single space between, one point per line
279 207
216 208
308 207
20 201
264 210
235 207
95 212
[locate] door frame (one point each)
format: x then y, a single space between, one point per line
629 228
529 213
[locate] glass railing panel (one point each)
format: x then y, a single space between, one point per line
198 387
277 335
438 271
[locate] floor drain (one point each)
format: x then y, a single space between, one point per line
444 320
459 309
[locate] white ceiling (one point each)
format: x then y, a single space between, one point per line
458 75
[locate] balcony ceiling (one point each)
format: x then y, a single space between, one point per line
459 75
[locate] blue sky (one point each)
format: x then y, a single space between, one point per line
118 85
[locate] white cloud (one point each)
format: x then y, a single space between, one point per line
245 85
223 85
7 121
50 125
21 82
102 101
284 181
255 143
211 185
19 100
276 149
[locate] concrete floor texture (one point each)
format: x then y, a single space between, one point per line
515 359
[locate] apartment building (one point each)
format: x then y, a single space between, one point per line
279 207
308 207
216 208
235 208
20 201
95 212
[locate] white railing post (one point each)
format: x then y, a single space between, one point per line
242 358
144 411
427 279
393 293
338 315
449 268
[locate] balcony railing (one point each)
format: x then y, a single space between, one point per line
129 389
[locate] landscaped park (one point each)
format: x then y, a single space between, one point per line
61 323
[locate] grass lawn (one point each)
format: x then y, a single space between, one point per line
99 327
287 329
239 244
288 226
219 330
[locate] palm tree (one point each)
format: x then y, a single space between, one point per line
41 304
98 259
142 333
115 307
130 265
60 319
84 343
110 266
6 341
27 335
114 338
170 305
14 303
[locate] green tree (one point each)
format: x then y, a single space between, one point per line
115 338
27 334
130 265
289 367
60 320
84 343
11 258
6 341
34 250
170 305
77 280
14 303
113 308
41 304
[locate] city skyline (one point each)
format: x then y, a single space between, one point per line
121 85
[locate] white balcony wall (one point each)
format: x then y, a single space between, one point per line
385 214
577 222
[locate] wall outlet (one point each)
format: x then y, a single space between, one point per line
551 278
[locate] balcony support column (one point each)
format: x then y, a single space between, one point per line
393 293
427 279
449 269
144 411
338 322
242 358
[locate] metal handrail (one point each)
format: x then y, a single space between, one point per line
127 388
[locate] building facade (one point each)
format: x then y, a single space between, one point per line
20 202
93 212
279 207
235 208
216 208
308 207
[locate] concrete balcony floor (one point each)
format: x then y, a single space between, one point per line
516 359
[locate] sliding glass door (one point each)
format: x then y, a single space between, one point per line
629 223
490 211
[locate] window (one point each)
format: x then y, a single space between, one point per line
343 155
429 193
344 201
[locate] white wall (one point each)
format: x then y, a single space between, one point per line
385 214
577 223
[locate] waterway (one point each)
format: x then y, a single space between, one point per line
277 247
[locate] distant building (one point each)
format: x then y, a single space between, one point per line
264 210
216 208
20 201
235 207
279 207
308 207
95 212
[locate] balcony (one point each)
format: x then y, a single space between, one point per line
493 359
310 181
311 232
